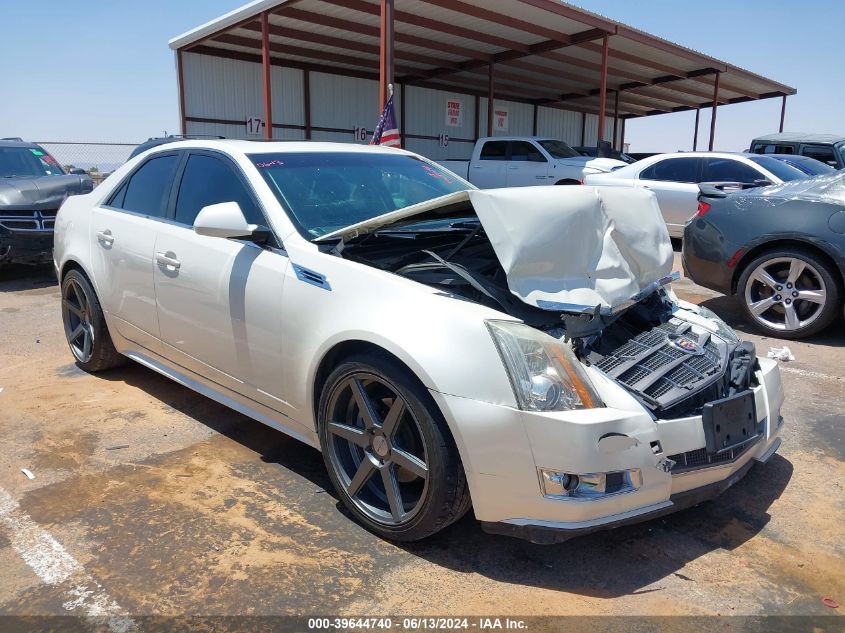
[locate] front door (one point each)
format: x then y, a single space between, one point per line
526 165
220 300
123 233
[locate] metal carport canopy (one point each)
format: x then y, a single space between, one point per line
542 52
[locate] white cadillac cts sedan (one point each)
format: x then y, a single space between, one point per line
517 351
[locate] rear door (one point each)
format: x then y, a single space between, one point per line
123 232
731 170
490 170
675 183
526 165
220 300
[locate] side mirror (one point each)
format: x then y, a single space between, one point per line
76 171
227 220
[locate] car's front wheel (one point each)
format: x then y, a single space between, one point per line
789 293
388 450
85 325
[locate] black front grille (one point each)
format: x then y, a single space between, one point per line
654 367
700 458
16 220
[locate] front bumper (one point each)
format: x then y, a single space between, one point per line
25 247
503 448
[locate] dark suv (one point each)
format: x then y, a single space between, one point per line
827 148
32 187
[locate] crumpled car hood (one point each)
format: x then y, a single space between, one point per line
562 248
45 192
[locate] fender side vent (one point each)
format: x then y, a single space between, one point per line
311 277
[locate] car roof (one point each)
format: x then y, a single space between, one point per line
702 155
801 137
238 146
18 143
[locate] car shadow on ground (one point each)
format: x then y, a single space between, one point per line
16 277
624 561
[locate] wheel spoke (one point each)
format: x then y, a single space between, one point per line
792 320
349 433
87 343
796 268
365 405
765 278
759 307
362 476
394 495
80 329
391 420
409 462
74 308
813 296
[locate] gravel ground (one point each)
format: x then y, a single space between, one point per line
149 499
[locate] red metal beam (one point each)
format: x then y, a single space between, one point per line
715 107
695 135
180 79
385 52
615 115
490 98
782 113
265 67
603 87
306 105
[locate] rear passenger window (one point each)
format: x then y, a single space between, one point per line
207 180
673 170
147 189
729 170
494 150
771 148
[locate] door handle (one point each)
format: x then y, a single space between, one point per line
105 237
168 259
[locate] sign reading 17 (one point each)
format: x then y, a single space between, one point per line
254 125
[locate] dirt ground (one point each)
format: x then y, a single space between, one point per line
149 499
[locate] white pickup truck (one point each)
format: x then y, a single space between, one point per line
520 161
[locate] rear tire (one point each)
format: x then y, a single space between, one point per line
85 325
388 450
789 293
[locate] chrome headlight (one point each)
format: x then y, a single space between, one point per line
543 371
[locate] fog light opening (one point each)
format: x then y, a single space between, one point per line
558 484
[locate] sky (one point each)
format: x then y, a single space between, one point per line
104 72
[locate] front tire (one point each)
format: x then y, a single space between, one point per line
85 325
789 293
388 450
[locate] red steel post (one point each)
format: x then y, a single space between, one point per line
265 67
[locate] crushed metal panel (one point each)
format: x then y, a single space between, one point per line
576 246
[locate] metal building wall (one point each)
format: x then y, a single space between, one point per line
229 91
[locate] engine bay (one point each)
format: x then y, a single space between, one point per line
671 366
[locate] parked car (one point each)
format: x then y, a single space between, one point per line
809 166
164 140
615 154
444 347
32 187
780 249
827 148
521 161
674 178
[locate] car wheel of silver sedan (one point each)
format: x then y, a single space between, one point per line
388 450
85 325
789 293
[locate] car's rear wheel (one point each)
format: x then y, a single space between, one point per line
789 293
388 450
85 325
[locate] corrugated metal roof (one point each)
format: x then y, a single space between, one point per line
544 51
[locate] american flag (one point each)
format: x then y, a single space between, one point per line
386 132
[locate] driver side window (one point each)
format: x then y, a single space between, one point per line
208 180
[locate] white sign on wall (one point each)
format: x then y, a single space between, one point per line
360 134
443 140
500 119
254 125
454 113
